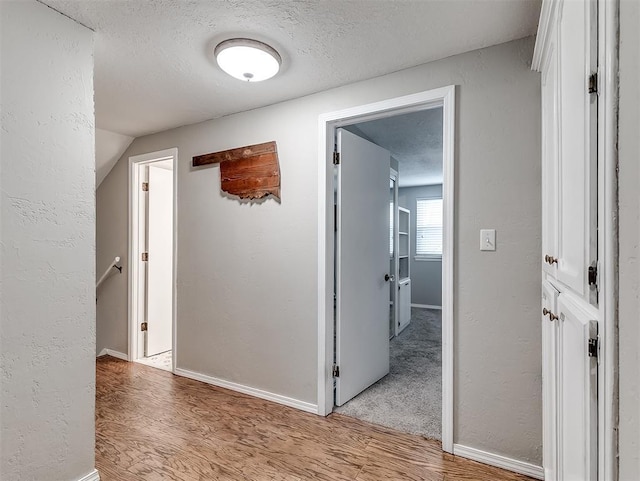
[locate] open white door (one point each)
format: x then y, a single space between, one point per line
160 263
362 262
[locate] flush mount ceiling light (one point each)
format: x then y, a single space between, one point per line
247 60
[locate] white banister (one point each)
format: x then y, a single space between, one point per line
113 265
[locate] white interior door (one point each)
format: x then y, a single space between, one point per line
578 392
160 263
362 261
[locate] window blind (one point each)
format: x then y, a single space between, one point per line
429 227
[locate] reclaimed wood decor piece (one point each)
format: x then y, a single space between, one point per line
250 172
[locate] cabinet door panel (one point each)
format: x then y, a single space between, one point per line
549 382
577 389
550 155
405 305
574 134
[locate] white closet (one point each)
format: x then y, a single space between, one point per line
567 58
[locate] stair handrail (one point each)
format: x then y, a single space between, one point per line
114 265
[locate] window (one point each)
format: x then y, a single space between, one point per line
428 228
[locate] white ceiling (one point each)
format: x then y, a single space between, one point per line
414 140
154 69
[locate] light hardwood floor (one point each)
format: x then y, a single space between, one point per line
152 425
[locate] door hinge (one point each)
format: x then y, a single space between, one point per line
145 256
335 218
336 158
592 275
335 371
593 346
143 326
145 187
593 83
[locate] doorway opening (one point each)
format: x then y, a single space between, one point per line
408 397
359 276
152 254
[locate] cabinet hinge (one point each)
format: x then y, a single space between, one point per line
335 371
145 187
145 256
592 347
143 326
593 83
592 275
336 158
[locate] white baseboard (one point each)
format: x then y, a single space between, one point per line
92 476
251 391
499 461
112 353
426 306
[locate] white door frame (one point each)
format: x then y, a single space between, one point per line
441 97
394 175
136 349
608 24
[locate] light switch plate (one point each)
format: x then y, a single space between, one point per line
487 239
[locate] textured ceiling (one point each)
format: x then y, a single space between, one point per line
154 69
414 140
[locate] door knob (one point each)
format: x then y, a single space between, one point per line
547 312
388 277
550 260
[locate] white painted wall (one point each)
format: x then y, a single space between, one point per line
109 148
629 198
247 273
426 276
47 222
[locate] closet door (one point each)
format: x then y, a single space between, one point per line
550 156
577 390
550 321
576 221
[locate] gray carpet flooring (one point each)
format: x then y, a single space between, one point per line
409 398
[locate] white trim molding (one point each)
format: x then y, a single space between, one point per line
544 30
92 476
426 306
327 124
608 25
112 353
499 461
251 391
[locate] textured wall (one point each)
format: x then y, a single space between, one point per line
47 219
247 273
426 276
112 217
629 198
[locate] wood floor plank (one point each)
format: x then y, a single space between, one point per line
152 425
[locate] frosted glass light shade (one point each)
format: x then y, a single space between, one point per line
247 60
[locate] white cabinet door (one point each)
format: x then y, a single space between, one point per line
362 261
576 156
577 391
404 298
550 156
549 381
